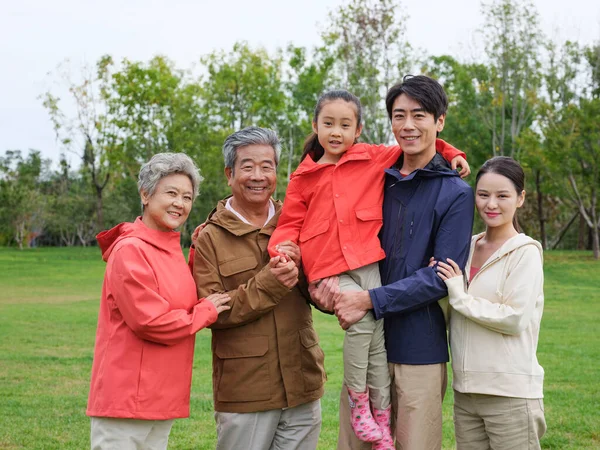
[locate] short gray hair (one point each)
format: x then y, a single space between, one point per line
250 136
165 164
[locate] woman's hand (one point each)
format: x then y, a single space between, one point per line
197 231
447 271
459 161
219 301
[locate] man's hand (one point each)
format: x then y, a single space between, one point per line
291 250
352 306
286 272
325 292
459 161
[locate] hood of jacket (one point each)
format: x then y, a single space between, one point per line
515 242
437 167
164 240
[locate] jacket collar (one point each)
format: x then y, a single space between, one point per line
222 217
358 152
438 166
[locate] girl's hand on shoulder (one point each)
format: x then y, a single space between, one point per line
459 161
447 271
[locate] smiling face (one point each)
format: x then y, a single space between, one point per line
253 178
497 200
170 205
414 128
337 129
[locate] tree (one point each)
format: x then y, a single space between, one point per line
366 41
512 37
22 204
89 133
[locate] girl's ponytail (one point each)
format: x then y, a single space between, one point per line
312 147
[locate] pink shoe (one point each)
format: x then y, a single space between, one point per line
383 417
364 426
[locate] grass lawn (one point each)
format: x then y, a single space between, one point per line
48 310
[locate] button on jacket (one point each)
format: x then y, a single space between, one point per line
427 213
334 210
265 349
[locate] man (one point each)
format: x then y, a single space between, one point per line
268 370
427 211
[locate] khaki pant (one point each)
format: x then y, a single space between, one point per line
417 396
129 434
365 358
484 422
295 428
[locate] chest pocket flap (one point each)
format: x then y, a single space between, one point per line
238 265
314 230
248 347
371 213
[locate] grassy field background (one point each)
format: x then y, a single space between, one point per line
48 311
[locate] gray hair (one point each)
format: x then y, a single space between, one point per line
250 136
165 164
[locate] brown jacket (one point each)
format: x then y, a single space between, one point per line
265 349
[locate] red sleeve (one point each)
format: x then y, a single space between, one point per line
133 284
292 218
448 151
384 155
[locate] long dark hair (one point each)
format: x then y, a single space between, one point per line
509 168
312 146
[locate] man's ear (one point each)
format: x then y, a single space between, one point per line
228 174
440 123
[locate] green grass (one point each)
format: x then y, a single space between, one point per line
48 309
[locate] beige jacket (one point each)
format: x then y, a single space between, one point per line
265 349
495 322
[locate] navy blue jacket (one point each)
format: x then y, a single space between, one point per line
427 213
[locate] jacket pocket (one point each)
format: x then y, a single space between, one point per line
370 213
313 370
244 369
369 223
238 265
314 230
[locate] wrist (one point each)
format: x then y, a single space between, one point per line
365 300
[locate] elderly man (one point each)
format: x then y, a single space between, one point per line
268 370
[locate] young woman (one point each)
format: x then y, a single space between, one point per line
333 209
496 309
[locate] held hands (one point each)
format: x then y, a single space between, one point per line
219 301
325 292
459 161
284 270
290 250
351 306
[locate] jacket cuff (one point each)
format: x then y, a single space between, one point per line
456 288
266 280
379 304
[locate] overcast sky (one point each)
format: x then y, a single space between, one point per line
36 35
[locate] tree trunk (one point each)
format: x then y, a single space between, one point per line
540 207
581 244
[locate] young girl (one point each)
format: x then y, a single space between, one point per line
495 321
333 209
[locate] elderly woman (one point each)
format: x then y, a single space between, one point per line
149 314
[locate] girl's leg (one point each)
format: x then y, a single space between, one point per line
357 342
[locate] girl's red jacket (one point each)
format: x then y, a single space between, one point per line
333 211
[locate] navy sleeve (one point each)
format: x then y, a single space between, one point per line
424 286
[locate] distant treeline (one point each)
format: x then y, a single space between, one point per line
526 97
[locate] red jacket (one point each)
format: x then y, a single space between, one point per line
334 210
149 314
